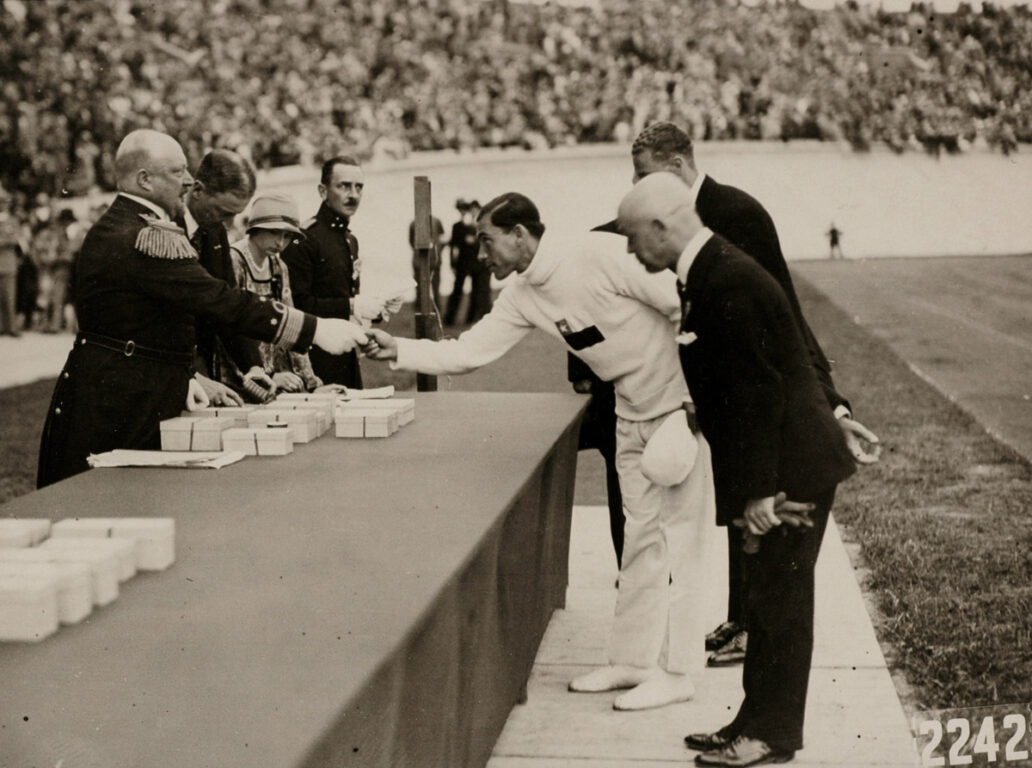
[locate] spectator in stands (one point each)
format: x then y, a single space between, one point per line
430 76
10 249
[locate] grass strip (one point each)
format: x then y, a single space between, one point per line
942 525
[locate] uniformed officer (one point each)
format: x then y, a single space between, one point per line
324 265
138 288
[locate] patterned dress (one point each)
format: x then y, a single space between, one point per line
275 284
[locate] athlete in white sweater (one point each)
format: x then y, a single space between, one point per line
621 321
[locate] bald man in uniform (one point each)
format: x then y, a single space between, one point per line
138 288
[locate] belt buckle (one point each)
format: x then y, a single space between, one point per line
130 348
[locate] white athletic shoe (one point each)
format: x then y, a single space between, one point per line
660 689
611 678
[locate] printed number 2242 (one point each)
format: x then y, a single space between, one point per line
985 747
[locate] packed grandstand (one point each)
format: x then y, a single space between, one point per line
289 81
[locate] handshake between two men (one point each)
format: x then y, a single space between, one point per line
333 335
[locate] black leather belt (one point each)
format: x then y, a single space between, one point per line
131 349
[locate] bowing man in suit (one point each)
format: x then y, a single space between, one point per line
742 220
762 408
223 186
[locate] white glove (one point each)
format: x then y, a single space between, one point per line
195 397
368 307
337 336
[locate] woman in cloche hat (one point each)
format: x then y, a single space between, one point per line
271 225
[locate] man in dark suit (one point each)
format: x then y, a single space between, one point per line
743 221
324 265
761 406
223 186
138 288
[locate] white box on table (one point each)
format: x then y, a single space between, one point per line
194 433
124 550
74 585
238 413
103 566
28 607
404 407
323 411
366 423
273 440
23 532
304 423
154 537
308 397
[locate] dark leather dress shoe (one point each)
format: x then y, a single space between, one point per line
733 652
718 638
707 742
742 752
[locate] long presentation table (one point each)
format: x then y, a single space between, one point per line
357 603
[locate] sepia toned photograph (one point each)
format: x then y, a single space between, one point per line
515 383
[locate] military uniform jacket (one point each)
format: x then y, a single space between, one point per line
212 246
760 403
139 287
324 265
324 277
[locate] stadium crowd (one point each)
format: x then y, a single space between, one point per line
287 81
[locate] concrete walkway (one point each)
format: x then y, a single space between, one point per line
854 717
32 356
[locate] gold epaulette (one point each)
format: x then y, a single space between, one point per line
163 240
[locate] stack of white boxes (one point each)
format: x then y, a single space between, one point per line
194 433
45 582
293 417
373 418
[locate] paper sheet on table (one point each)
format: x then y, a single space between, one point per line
386 285
188 459
375 393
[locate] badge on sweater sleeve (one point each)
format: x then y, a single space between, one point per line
163 240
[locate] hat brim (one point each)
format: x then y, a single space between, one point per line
610 226
276 226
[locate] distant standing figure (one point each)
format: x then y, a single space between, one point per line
481 301
463 249
437 233
834 242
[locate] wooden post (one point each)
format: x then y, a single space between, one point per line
424 243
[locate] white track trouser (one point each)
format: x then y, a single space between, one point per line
663 573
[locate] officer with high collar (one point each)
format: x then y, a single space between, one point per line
324 265
139 286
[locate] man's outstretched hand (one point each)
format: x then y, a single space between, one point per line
381 345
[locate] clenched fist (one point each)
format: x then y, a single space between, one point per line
381 345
